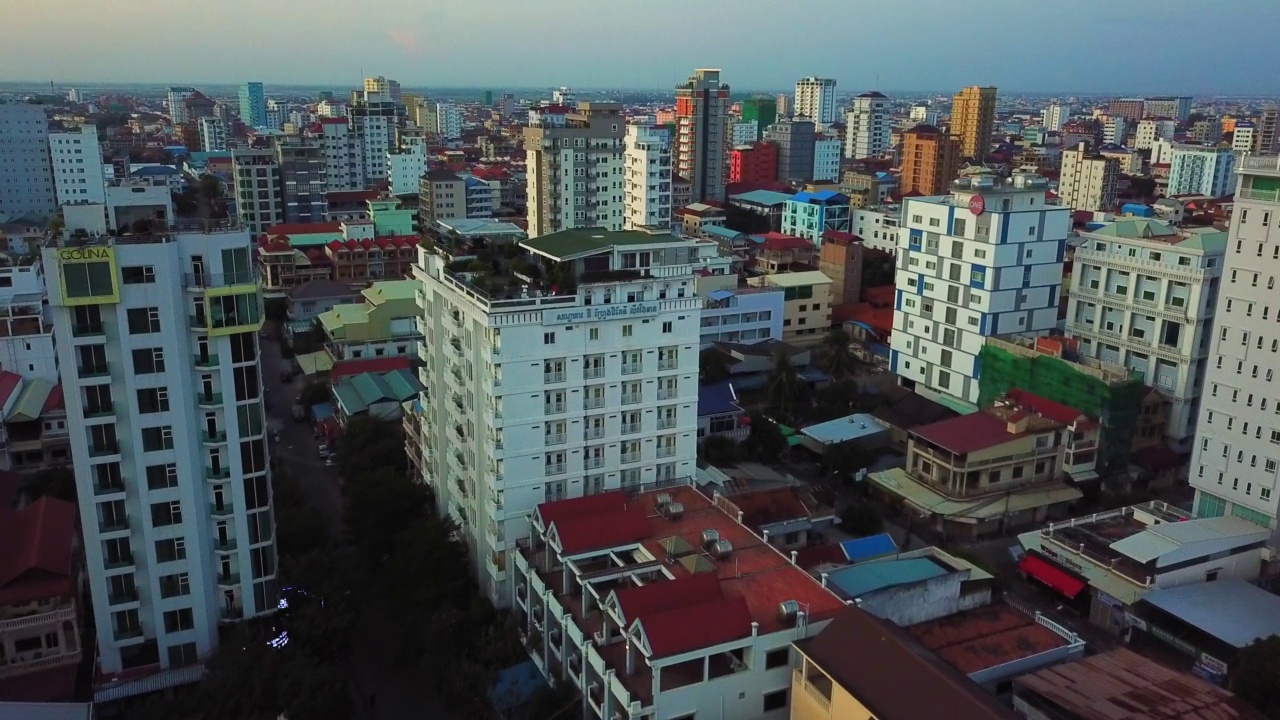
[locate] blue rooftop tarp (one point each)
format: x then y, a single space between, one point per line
869 547
858 580
322 411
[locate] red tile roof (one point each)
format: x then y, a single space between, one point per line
816 555
696 626
582 534
38 558
880 295
350 196
840 237
642 601
780 242
985 637
55 401
966 433
304 228
344 368
550 512
1046 407
9 383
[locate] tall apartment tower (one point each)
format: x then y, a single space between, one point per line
984 260
795 140
930 160
375 117
175 101
763 111
259 196
1173 108
1205 169
26 176
213 134
1233 470
560 390
867 129
382 86
646 180
575 171
448 121
343 153
973 111
253 105
816 100
1055 116
701 148
1129 108
302 179
1267 130
1088 180
163 391
77 166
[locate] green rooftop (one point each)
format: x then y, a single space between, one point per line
571 244
1135 229
385 290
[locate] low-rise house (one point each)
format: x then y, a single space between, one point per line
36 428
660 604
806 305
697 216
376 395
719 413
766 203
1121 555
385 324
779 253
738 314
311 299
858 430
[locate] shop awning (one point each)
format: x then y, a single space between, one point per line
1050 574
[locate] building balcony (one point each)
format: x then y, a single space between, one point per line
631 399
224 546
593 433
116 563
52 617
591 463
217 474
221 510
630 428
631 457
229 580
667 393
592 403
104 449
632 369
668 364
92 371
592 373
122 598
666 451
232 614
126 633
107 525
556 439
213 438
99 411
88 330
555 469
553 377
209 360
102 489
209 400
553 408
666 423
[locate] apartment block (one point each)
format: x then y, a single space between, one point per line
1054 116
806 309
754 164
815 99
374 117
1150 130
826 158
868 131
647 178
77 166
809 215
701 142
1144 295
26 176
164 397
253 105
582 382
343 153
735 314
1129 108
1088 180
213 134
1236 457
984 260
1177 109
930 161
575 172
1203 169
973 112
795 141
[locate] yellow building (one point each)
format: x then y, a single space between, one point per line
383 325
973 111
863 668
806 310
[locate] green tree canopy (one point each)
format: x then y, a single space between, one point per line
1257 676
785 391
837 358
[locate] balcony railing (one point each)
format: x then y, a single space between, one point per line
127 633
630 428
593 433
593 403
556 438
209 399
553 377
103 449
631 457
553 408
209 360
631 399
97 411
555 468
92 371
221 510
667 393
221 473
591 463
666 451
112 524
81 330
196 281
632 368
44 618
592 373
666 423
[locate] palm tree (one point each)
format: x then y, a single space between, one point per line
783 387
838 359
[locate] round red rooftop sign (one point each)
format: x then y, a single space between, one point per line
977 205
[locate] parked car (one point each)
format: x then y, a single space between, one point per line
331 461
323 450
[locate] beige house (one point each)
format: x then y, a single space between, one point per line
806 315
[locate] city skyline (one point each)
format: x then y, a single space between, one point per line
435 44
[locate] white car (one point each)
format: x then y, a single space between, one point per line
323 450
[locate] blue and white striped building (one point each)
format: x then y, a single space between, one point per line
984 260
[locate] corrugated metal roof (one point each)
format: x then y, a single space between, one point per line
31 401
1232 611
869 547
858 580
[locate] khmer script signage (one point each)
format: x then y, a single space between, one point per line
600 313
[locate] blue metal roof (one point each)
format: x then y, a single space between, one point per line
720 294
762 197
155 170
821 196
723 232
869 547
716 399
868 577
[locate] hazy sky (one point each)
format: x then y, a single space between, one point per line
1151 46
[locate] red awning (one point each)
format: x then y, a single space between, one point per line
1052 575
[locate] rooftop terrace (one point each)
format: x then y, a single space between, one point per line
990 636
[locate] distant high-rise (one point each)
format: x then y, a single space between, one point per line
383 86
1172 108
1088 180
253 105
1266 143
77 166
973 110
1204 169
763 111
795 140
647 178
783 105
700 151
574 170
374 117
1131 108
816 99
1055 116
213 134
177 108
930 160
26 176
867 132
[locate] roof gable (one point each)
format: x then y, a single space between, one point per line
694 626
634 603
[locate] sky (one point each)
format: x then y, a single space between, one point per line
1063 46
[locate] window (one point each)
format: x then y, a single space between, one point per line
777 658
171 550
548 338
178 620
182 655
166 513
153 400
144 320
256 493
593 334
175 585
157 438
148 360
160 477
628 330
667 326
246 382
88 279
775 700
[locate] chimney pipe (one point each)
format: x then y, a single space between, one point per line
793 557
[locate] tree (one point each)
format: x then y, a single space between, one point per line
713 367
1257 676
719 450
877 269
209 187
766 441
860 520
837 358
784 390
369 444
313 392
843 461
380 505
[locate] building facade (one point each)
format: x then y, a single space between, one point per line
552 393
1129 108
806 308
815 99
646 182
985 260
930 161
213 134
701 142
973 111
809 215
575 172
763 111
826 158
168 438
754 164
795 141
1144 296
343 153
1177 109
26 176
77 166
1087 180
1151 130
253 105
868 131
1235 471
1206 170
1055 116
259 197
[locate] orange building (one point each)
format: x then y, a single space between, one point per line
930 161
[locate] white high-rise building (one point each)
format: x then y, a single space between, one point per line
584 383
343 154
1204 169
213 134
77 166
174 102
816 100
868 132
1114 129
1150 130
984 260
646 180
158 337
26 176
1245 137
405 168
1088 180
331 109
374 118
448 121
1236 457
923 114
382 86
826 158
574 170
1054 116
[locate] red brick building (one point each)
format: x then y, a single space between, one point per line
755 163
